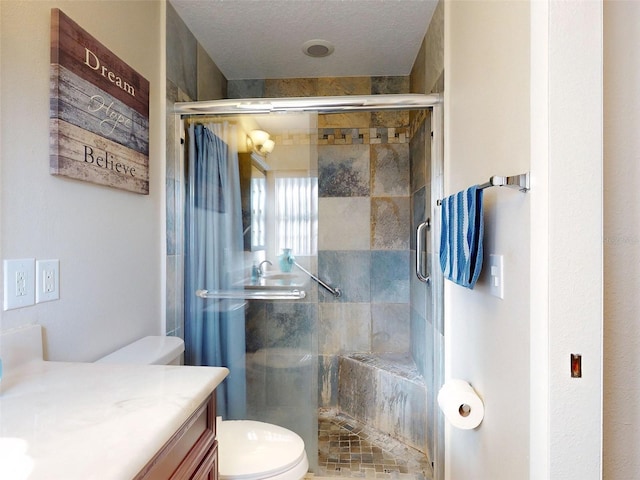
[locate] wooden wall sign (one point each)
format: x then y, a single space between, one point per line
99 112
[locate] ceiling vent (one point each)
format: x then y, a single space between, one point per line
317 48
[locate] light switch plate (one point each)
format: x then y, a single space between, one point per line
496 278
47 280
19 283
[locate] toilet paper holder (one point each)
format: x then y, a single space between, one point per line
460 404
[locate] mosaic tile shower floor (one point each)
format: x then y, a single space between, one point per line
346 448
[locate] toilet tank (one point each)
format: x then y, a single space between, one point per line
152 350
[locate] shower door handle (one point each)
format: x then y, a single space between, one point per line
420 250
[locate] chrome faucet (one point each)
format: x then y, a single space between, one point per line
260 270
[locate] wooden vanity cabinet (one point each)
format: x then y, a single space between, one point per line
191 453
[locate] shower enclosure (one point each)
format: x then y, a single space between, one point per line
335 200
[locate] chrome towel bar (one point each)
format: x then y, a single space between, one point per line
516 181
521 182
293 294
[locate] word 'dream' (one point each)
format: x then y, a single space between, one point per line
92 61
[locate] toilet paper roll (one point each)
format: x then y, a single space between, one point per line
461 404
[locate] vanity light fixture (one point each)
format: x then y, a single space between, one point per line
260 142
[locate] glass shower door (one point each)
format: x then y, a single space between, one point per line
437 287
427 342
281 343
244 206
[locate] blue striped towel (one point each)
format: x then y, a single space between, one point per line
461 237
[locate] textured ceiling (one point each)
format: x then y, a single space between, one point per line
263 38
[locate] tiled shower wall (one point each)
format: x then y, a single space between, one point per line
191 75
365 235
367 185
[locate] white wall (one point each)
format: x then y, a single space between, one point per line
109 241
487 118
567 239
621 239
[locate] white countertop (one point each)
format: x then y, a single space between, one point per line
87 421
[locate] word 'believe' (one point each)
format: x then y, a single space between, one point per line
107 161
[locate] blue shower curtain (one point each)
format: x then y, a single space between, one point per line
215 329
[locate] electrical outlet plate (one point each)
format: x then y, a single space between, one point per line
47 280
19 283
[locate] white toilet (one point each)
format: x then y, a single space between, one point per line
248 450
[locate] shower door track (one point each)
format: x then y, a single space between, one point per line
329 104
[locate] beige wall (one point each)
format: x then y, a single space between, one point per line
621 239
487 133
109 241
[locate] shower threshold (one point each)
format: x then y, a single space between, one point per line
348 448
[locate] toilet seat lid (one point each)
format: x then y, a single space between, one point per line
250 449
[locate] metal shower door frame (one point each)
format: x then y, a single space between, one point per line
353 103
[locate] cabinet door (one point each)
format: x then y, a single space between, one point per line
190 451
208 469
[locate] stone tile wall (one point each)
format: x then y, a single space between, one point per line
191 75
366 193
372 196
